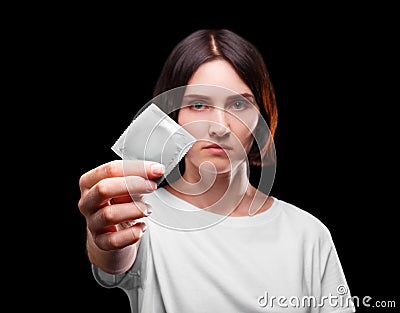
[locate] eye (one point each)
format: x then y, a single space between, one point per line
239 105
198 106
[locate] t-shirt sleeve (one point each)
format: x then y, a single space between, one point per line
132 279
335 292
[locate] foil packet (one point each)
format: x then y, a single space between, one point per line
154 136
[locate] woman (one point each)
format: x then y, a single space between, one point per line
209 240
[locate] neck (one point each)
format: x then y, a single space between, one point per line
221 193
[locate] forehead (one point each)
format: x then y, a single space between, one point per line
219 73
212 93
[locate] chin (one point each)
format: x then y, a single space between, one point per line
216 166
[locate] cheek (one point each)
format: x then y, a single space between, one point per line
244 131
194 155
197 128
243 141
245 137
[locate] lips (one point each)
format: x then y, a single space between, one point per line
215 149
221 146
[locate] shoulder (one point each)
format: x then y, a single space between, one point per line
302 222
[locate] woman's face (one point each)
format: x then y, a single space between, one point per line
218 109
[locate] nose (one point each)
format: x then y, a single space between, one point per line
219 125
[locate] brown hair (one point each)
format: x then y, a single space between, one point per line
210 44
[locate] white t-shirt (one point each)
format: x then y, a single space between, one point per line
191 260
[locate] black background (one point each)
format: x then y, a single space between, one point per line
332 71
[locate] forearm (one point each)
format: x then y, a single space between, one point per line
113 261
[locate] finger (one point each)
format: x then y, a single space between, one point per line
120 239
116 214
121 168
122 199
112 188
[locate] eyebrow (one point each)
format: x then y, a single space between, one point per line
246 95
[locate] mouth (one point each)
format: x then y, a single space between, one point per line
218 149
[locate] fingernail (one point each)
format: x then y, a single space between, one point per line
143 227
157 169
151 185
149 211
